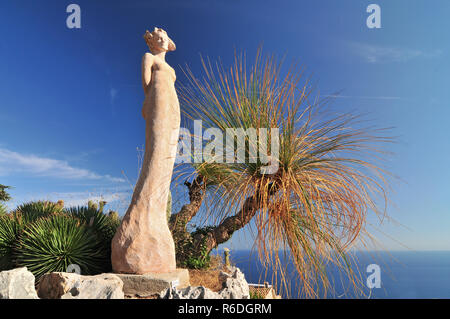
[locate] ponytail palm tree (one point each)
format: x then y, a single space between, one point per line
314 206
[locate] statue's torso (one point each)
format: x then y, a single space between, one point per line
161 99
160 68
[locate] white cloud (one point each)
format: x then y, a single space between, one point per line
383 54
13 162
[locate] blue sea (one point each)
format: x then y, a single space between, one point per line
403 274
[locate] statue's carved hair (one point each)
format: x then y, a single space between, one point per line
151 39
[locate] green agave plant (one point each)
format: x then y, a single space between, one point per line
51 244
3 210
104 225
31 211
12 225
9 230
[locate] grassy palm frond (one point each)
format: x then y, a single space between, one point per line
327 182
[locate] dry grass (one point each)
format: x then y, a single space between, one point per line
205 278
208 278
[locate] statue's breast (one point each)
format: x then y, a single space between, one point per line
162 66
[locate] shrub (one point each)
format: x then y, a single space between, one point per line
51 244
4 196
12 225
45 237
256 295
9 230
202 260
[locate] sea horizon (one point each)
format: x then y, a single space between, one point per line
404 274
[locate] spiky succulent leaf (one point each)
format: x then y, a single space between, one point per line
9 230
3 210
53 243
104 225
31 211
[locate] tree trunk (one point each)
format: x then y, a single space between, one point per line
200 243
178 222
223 232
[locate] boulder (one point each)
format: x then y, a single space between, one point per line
190 292
17 284
234 287
61 285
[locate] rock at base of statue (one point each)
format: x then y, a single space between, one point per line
61 285
153 283
234 286
198 292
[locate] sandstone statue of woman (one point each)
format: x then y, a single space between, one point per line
143 242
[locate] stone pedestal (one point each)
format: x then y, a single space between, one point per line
153 283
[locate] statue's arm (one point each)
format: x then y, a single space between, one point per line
147 62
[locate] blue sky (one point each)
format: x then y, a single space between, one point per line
70 98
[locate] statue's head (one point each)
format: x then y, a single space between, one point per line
159 41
